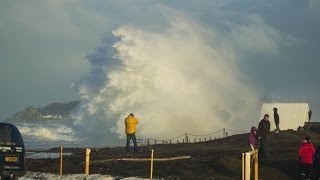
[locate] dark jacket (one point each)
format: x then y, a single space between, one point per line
276 117
263 128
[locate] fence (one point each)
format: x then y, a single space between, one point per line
183 138
248 159
192 138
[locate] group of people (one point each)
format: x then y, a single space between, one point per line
261 133
308 156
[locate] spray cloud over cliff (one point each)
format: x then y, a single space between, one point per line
182 78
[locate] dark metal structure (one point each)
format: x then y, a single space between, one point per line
12 152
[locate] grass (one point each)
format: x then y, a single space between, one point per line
216 159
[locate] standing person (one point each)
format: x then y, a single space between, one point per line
131 123
252 138
309 114
276 119
306 155
263 131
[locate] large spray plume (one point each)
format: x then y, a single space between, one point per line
183 78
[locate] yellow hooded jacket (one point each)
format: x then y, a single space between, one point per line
131 123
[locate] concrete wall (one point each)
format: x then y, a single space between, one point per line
292 115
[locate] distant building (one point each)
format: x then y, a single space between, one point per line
292 115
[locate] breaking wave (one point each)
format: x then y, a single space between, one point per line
183 78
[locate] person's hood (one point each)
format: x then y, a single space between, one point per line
253 129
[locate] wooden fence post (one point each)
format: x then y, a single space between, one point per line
61 153
88 151
151 165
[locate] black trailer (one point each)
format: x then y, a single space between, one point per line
12 152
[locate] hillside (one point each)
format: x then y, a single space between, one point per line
216 159
29 114
53 111
62 109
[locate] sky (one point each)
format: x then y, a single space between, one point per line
179 66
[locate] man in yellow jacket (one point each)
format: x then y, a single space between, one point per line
131 123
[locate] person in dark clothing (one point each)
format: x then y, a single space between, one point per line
310 114
263 131
276 119
316 162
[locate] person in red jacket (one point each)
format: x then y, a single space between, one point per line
306 155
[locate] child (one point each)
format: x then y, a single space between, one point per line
252 138
306 154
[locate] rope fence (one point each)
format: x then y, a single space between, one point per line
183 138
192 138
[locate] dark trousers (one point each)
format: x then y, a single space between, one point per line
316 166
305 170
277 127
133 137
263 149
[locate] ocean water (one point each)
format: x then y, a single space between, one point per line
44 155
